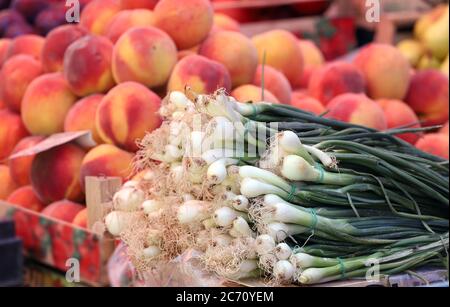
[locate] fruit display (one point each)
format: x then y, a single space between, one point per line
428 48
138 74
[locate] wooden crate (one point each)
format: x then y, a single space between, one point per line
52 242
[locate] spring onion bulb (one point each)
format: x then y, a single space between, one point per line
283 271
297 169
290 142
196 168
247 269
265 244
227 198
151 251
225 216
312 276
267 261
304 261
172 153
241 228
280 231
151 205
187 197
217 171
196 144
221 240
116 222
179 100
131 184
240 203
213 155
251 188
324 158
193 211
209 223
149 175
128 199
271 199
177 172
266 176
223 130
282 251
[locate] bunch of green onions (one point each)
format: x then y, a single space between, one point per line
325 199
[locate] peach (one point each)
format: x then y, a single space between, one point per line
252 93
357 109
80 219
144 54
313 59
97 15
63 210
15 76
203 75
428 97
56 44
444 129
106 160
335 79
188 22
20 168
7 185
87 65
2 104
4 46
26 197
224 22
55 173
435 143
235 51
128 19
81 116
275 82
29 44
386 71
306 103
12 130
399 114
281 51
126 113
186 52
46 103
138 4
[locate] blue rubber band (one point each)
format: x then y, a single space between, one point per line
291 195
342 266
315 220
321 171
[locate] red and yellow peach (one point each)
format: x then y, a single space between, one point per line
187 22
15 76
97 15
12 130
386 71
26 44
128 19
87 65
46 103
81 116
106 160
126 113
144 54
253 93
335 79
306 103
275 82
20 168
56 44
399 114
8 185
435 143
281 50
428 97
357 109
55 173
138 4
235 51
203 75
26 197
63 210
